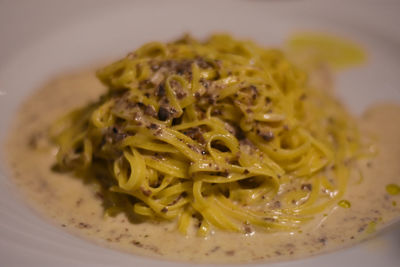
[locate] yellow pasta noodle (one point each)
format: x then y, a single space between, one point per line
221 134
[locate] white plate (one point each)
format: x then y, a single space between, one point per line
66 36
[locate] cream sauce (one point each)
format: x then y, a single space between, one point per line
75 206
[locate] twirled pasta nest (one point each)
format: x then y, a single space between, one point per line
217 134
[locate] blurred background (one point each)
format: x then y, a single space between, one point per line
24 20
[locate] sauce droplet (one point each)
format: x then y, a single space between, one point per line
336 51
371 227
344 204
393 189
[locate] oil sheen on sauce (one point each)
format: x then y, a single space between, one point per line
73 205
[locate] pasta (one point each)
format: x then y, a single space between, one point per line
222 134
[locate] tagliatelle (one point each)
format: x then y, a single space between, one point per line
223 133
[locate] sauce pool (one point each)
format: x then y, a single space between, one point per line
366 207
